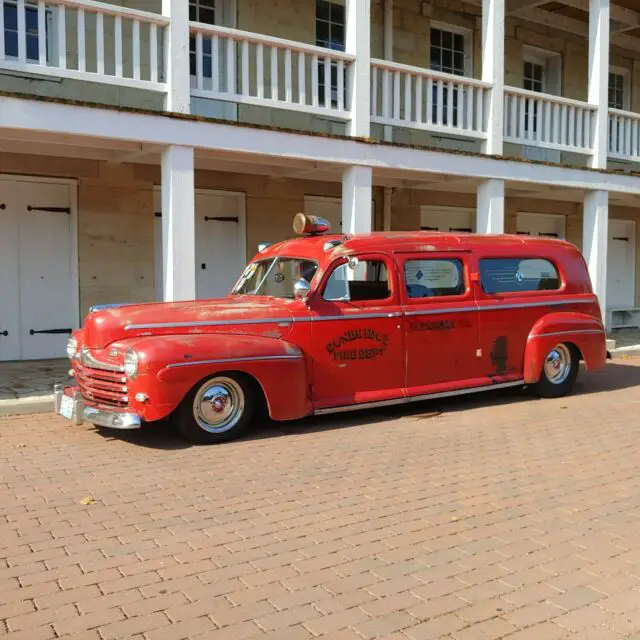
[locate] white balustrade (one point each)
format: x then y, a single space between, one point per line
542 120
624 135
84 40
418 98
248 68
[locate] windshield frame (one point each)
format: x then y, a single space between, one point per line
274 259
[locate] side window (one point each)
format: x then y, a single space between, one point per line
514 275
434 278
357 281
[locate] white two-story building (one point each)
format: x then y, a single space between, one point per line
148 146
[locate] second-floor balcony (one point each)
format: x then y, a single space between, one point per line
116 54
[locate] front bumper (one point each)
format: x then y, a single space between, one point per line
69 403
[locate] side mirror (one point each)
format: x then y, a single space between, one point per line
301 289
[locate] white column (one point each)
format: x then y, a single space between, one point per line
357 195
388 55
176 58
599 79
493 72
595 235
178 224
358 43
490 207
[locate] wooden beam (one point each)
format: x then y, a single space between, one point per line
618 14
515 6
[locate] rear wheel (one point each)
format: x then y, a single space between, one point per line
559 372
216 410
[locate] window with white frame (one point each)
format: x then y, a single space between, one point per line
619 89
541 74
207 12
449 53
330 34
11 38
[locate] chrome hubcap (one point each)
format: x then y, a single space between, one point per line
558 364
218 405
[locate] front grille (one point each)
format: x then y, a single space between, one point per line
102 388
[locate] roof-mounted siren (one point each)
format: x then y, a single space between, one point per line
305 225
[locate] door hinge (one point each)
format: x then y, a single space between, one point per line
51 331
50 209
622 239
158 214
221 219
3 206
4 333
461 229
428 228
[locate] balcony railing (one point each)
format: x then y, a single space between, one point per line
421 99
83 40
552 122
247 68
98 42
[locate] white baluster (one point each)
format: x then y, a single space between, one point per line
275 94
563 125
22 32
634 138
231 66
288 80
216 67
461 112
80 23
513 116
439 102
572 127
483 95
556 124
42 34
522 131
315 61
341 85
153 52
2 54
246 88
614 134
62 37
302 78
260 70
396 95
135 34
374 91
386 94
199 62
469 98
100 43
118 45
450 104
547 121
627 136
408 83
579 127
429 101
419 100
328 88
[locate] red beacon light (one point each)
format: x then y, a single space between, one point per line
305 225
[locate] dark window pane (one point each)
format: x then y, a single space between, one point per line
10 17
337 13
207 16
504 275
458 42
436 35
31 20
192 64
322 10
322 32
206 46
434 278
447 59
11 43
458 61
537 72
337 34
193 13
207 67
32 48
447 39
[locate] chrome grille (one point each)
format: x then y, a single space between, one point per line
102 388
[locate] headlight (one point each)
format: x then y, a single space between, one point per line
131 364
72 347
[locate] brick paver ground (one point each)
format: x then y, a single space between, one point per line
501 517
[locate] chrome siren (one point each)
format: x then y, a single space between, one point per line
305 225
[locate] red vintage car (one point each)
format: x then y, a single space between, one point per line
325 323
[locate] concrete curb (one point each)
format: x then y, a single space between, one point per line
25 406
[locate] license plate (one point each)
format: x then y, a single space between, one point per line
66 407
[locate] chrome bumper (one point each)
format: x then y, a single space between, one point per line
99 417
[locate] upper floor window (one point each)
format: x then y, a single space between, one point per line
207 12
518 275
10 14
533 77
330 34
448 51
619 89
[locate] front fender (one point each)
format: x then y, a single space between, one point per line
171 365
579 329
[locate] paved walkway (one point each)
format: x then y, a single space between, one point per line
494 517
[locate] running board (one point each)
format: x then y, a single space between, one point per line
429 396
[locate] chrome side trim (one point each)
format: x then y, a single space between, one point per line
206 323
564 333
112 419
227 360
527 305
90 361
355 316
406 400
433 312
113 305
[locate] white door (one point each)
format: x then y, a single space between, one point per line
38 294
326 207
541 224
621 261
447 219
220 251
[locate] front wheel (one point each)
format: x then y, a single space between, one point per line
216 410
559 372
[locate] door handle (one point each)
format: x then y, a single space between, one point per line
4 333
51 331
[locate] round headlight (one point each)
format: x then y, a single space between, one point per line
72 347
131 364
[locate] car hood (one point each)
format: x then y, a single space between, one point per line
234 314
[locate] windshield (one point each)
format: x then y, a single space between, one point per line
275 277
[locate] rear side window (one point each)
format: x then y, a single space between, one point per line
434 278
515 275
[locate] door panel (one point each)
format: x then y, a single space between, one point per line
441 323
540 224
9 289
358 353
447 219
621 257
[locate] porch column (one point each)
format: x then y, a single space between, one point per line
178 224
176 58
490 207
357 194
595 235
599 79
493 72
358 43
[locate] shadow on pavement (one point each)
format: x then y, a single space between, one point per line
161 435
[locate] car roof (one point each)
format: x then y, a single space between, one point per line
407 241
